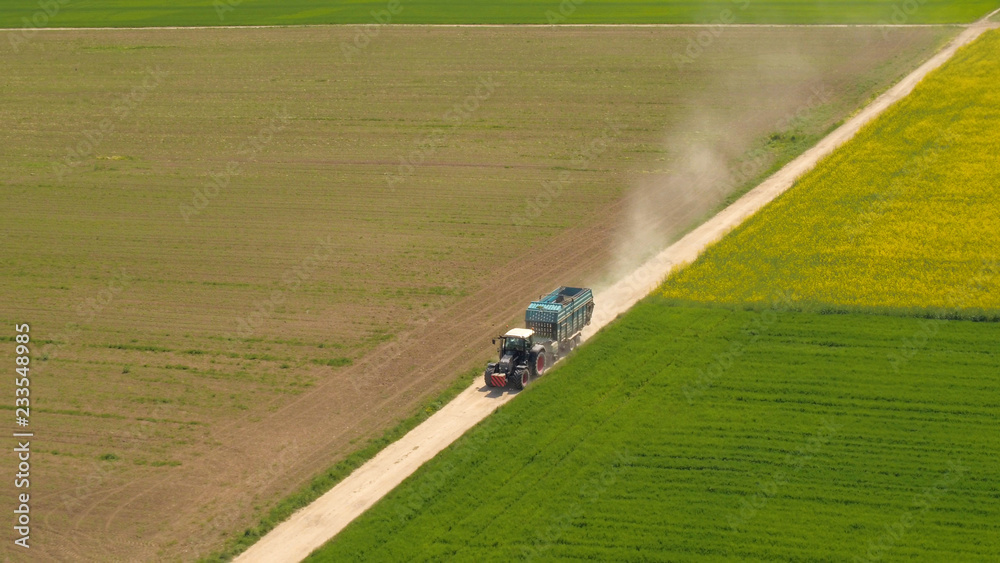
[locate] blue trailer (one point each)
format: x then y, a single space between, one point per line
553 330
561 315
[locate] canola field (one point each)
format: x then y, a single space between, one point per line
904 216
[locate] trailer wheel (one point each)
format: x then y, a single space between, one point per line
520 379
576 341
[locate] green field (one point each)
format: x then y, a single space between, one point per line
904 216
115 13
693 432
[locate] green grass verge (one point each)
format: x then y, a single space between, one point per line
116 13
901 217
696 432
329 478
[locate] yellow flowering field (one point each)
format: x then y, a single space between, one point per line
905 215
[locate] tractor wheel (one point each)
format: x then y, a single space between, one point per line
487 374
541 363
520 379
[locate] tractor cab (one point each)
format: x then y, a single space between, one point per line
517 341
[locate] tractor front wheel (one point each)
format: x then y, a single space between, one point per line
487 374
520 379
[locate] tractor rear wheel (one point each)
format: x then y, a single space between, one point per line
541 363
520 379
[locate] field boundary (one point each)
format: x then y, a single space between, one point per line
310 527
501 25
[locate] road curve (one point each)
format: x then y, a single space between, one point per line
314 525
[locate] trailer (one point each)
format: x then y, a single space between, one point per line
553 324
559 317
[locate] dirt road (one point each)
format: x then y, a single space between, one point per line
312 526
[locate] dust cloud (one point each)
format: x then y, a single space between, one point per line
716 147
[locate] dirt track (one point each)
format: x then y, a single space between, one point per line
312 526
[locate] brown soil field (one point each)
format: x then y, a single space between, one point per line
242 252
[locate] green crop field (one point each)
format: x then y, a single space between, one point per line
206 227
116 13
698 432
903 216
